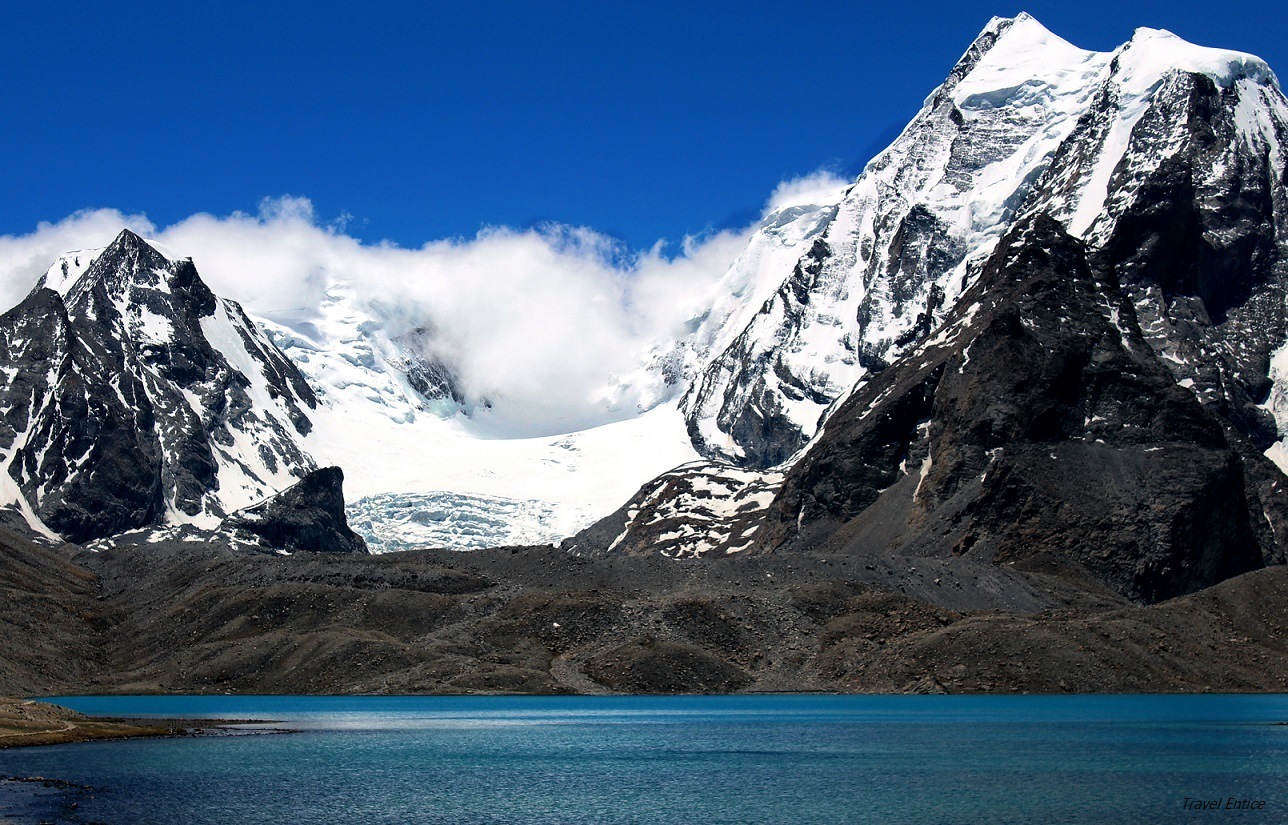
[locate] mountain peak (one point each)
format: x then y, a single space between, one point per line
1152 53
1026 122
130 272
999 25
128 242
1015 48
128 236
983 42
128 246
181 409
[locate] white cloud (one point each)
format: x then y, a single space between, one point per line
540 321
816 188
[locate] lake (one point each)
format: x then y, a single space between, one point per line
725 759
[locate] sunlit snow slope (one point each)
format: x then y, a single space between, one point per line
1024 122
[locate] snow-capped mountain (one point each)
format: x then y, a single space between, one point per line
141 403
136 397
1164 158
1024 123
1037 429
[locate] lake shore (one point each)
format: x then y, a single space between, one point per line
26 722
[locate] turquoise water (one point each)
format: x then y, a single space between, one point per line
740 759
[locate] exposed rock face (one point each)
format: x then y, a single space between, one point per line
435 380
1036 427
137 398
307 517
1194 227
684 513
71 410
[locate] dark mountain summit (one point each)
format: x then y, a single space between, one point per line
306 517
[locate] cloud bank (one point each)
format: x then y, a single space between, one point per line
543 322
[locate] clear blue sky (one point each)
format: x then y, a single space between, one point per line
425 120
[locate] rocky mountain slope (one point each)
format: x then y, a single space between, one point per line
176 618
1038 427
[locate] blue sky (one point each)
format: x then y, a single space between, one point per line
420 121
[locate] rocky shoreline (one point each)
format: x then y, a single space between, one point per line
24 722
27 722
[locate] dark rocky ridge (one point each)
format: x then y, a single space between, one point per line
307 517
1037 428
200 618
1196 241
78 416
